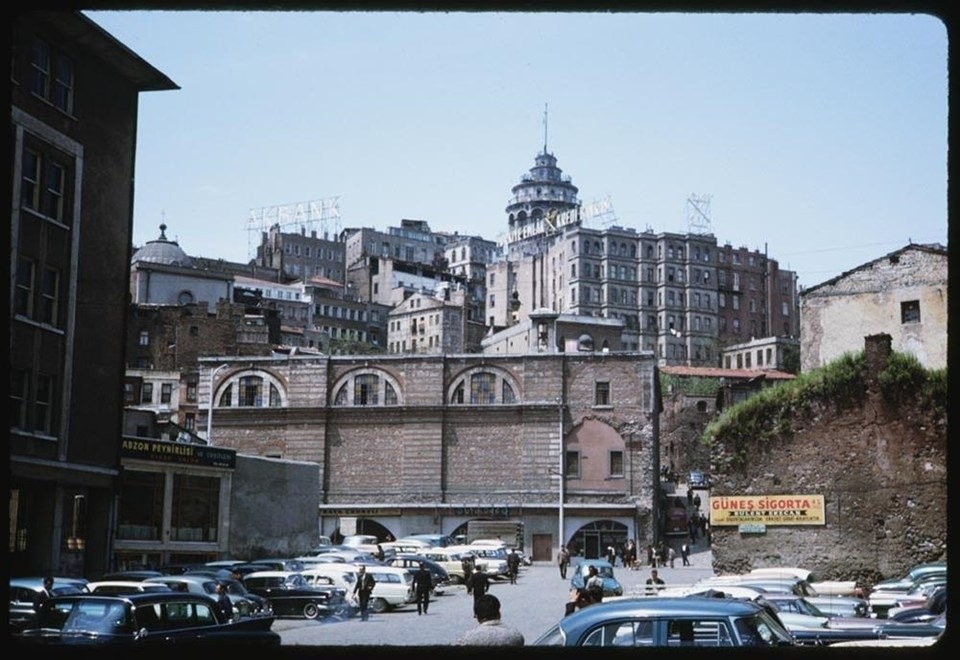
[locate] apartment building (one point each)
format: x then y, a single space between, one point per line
74 93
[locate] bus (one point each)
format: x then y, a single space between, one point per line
675 518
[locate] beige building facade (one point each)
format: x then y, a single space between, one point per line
903 294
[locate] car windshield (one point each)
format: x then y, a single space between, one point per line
762 629
86 616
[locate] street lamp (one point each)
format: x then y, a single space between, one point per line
213 374
561 475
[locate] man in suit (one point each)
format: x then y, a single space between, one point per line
422 584
362 590
513 565
479 584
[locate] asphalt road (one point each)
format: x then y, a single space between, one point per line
532 605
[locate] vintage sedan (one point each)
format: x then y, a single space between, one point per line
25 595
290 594
124 587
659 622
202 584
144 619
611 586
438 573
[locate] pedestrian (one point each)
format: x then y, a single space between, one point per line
594 583
422 584
379 554
580 598
491 631
611 555
671 555
45 593
224 603
513 565
696 501
563 561
663 554
362 590
685 554
651 557
466 564
703 524
689 496
692 528
479 584
654 583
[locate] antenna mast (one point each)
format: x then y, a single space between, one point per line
544 128
698 214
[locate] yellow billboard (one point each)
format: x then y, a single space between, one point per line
767 509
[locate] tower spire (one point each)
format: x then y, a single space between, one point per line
544 128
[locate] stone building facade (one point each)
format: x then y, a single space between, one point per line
427 443
903 294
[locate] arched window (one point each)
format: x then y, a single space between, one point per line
366 387
484 387
251 389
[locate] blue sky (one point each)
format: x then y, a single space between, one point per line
821 138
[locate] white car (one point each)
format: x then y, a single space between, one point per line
367 543
123 587
394 588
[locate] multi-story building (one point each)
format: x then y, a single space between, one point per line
678 295
412 242
902 294
469 257
433 323
298 256
74 91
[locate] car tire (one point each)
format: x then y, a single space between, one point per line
311 611
378 605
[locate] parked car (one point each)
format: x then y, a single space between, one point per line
25 594
490 559
278 564
393 588
611 587
124 587
842 606
929 609
434 540
290 594
412 562
144 619
790 607
201 584
450 558
698 479
881 601
362 542
134 574
932 628
659 622
908 580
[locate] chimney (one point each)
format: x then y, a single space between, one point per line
877 349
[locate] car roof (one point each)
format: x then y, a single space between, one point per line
261 574
646 606
37 581
121 583
595 562
139 597
193 579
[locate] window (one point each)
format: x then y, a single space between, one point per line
166 390
482 388
616 463
508 396
250 391
191 392
190 422
19 397
571 464
51 76
146 393
43 183
910 311
365 390
140 510
26 269
44 415
602 393
195 509
144 337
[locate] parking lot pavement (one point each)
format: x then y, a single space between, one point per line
534 604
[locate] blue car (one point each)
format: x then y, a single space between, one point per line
658 622
611 587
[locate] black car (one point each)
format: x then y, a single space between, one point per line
144 619
25 596
291 595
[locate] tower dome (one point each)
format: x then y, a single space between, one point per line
162 251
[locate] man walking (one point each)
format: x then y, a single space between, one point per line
654 583
422 584
685 554
513 565
479 584
362 590
563 561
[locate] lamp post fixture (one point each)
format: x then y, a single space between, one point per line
561 476
213 374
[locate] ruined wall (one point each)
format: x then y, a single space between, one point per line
881 468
